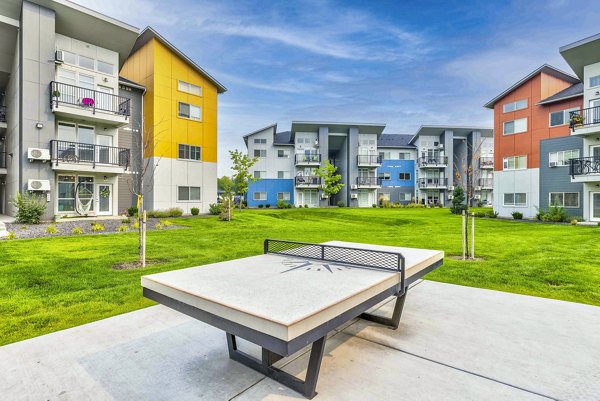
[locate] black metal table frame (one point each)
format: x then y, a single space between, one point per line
274 349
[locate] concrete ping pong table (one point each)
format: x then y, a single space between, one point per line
292 296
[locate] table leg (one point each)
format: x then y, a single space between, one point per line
305 387
394 321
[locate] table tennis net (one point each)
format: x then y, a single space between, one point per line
383 260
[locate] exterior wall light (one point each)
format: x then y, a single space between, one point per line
39 126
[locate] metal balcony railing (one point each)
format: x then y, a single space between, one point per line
433 182
87 153
2 114
2 159
485 182
307 180
370 160
584 166
426 161
486 162
312 158
368 181
584 117
90 99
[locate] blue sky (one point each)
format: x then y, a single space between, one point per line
400 63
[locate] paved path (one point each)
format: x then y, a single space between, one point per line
454 343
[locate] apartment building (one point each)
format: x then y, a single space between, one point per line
584 168
288 160
532 147
448 156
180 124
62 108
397 170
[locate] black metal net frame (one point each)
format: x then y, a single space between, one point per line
392 262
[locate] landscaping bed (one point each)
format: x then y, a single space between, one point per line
81 227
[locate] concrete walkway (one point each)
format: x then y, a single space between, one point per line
454 343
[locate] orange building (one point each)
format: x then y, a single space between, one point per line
533 109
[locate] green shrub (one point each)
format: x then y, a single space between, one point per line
160 214
458 199
123 227
51 229
30 208
125 221
11 235
97 227
166 223
306 206
195 211
268 205
492 214
517 215
374 205
136 225
77 231
341 204
480 214
555 214
281 204
260 205
159 226
574 222
214 208
132 211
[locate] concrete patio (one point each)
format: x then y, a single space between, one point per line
454 343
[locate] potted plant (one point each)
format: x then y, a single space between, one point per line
576 120
56 94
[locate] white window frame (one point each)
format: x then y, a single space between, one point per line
592 78
515 132
261 174
384 175
506 163
261 141
262 153
551 202
189 191
190 108
515 105
566 116
514 204
283 154
561 158
282 196
80 56
260 194
186 87
112 72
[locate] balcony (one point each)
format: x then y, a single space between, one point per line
368 182
486 183
2 162
486 162
585 169
433 162
312 159
368 160
308 181
3 114
75 101
433 183
585 121
76 156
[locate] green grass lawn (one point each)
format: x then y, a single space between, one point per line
55 283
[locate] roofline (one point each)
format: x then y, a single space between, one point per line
559 99
397 146
154 34
579 43
491 103
339 123
450 127
93 13
131 84
261 129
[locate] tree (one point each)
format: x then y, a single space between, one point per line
242 163
223 182
226 207
330 181
458 199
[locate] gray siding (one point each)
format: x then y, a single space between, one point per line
557 179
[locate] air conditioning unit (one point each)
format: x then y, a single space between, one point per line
38 154
451 188
59 56
324 196
353 196
354 186
478 188
553 164
441 146
477 197
38 185
450 197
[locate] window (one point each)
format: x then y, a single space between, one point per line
66 193
561 117
87 82
189 88
190 111
69 58
384 176
515 199
515 126
283 174
260 140
385 155
518 105
188 194
404 156
594 81
86 62
514 163
564 199
260 174
259 196
367 139
404 196
404 176
284 196
260 153
562 158
189 152
106 68
282 153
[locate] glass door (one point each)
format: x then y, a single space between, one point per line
595 206
104 98
103 149
104 199
363 198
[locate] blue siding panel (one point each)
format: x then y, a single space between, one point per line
394 186
271 187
